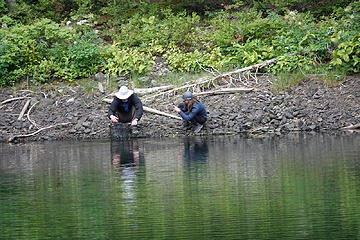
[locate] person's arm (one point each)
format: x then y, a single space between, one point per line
112 109
138 106
194 111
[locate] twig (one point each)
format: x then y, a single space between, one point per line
212 80
143 91
13 99
225 91
352 127
151 110
24 109
11 139
28 115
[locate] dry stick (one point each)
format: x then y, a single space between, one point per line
151 110
209 81
352 127
13 99
28 115
36 132
143 91
226 91
24 109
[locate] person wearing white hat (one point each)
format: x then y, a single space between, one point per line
126 107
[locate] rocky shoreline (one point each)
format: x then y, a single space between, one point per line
66 113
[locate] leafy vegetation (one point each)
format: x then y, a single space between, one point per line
69 40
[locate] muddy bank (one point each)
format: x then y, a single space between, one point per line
68 113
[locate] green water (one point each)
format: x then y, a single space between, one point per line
295 187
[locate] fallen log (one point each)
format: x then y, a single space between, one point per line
144 91
151 110
212 80
28 115
225 91
12 99
11 139
24 109
352 127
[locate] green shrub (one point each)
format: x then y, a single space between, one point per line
81 59
167 28
123 61
291 63
195 61
44 51
249 53
347 56
25 46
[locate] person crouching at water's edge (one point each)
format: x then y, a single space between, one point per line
126 107
192 111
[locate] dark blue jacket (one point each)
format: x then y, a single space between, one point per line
198 109
133 100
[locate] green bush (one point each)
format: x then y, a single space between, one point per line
347 56
195 61
44 51
167 28
124 61
81 59
25 46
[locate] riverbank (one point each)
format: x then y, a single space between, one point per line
65 112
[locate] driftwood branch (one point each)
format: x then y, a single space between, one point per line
225 91
11 139
12 99
143 91
28 115
151 110
24 109
352 127
201 84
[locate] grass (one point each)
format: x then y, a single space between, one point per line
322 74
175 79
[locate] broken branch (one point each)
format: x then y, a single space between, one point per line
151 110
352 127
24 109
11 139
225 91
13 99
212 80
28 115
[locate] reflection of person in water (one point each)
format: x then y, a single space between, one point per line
195 150
126 154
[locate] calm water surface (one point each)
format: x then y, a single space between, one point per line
295 187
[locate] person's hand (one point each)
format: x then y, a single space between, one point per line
114 119
134 122
176 109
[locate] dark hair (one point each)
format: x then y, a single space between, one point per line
190 104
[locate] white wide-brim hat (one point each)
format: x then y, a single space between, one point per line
124 93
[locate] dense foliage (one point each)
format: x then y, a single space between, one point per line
71 39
